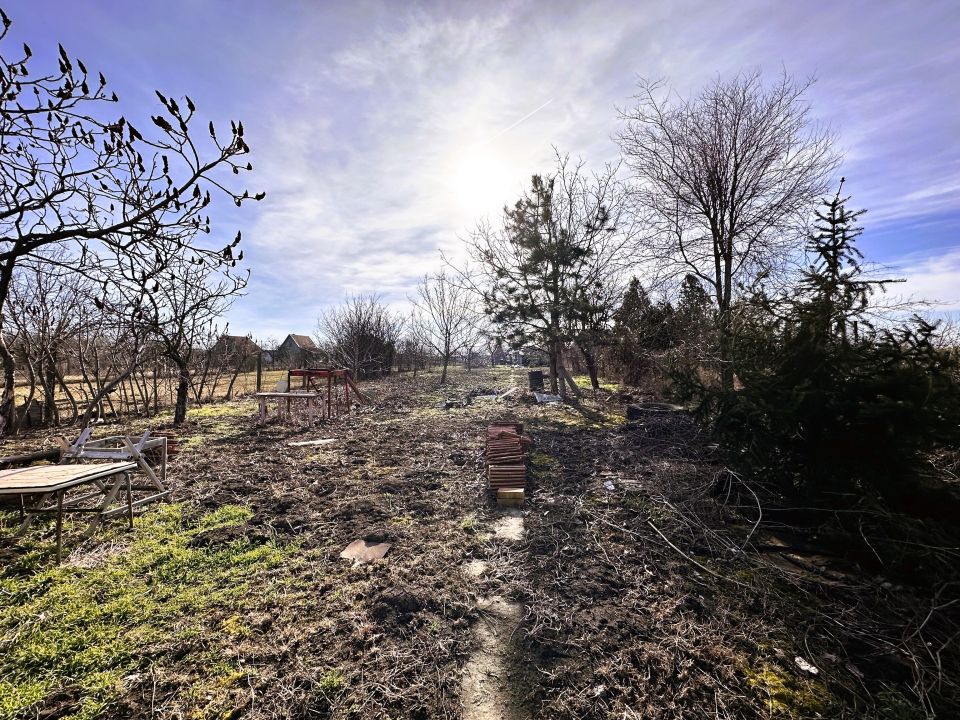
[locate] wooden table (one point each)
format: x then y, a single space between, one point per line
306 397
56 480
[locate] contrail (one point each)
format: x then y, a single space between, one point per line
525 117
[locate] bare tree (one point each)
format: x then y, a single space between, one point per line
443 317
411 352
70 177
724 179
477 337
361 334
181 311
44 310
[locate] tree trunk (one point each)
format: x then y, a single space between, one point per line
32 380
183 387
8 405
62 381
555 387
104 392
726 326
233 380
50 415
443 373
591 360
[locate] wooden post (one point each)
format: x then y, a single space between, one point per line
259 371
329 396
59 525
129 500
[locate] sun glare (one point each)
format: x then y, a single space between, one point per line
482 182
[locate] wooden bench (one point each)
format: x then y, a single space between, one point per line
287 398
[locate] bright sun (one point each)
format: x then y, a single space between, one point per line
482 182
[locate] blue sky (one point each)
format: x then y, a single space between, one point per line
382 131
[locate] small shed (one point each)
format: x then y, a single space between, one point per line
298 351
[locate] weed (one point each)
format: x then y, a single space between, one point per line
331 683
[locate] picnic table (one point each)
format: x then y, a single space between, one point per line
53 481
309 398
50 484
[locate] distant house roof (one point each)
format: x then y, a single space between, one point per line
240 344
304 342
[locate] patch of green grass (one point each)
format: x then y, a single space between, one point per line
786 695
220 409
608 385
213 431
541 458
583 417
331 682
86 628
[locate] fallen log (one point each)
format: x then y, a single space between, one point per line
12 461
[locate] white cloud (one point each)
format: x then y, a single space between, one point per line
386 144
935 279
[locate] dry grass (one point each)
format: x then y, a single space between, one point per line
644 601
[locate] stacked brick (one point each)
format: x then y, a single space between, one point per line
506 469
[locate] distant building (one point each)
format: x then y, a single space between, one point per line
298 351
237 350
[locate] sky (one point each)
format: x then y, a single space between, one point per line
383 131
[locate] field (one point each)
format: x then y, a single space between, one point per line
245 384
625 588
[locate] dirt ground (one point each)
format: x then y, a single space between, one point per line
629 586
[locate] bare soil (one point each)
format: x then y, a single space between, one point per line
648 600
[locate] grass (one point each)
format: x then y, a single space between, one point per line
85 629
582 417
246 383
608 385
785 695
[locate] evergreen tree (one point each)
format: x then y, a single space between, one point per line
829 402
834 293
545 274
642 331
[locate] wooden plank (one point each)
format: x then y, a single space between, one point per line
50 478
360 396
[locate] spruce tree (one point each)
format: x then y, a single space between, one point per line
829 401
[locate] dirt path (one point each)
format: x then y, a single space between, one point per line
488 680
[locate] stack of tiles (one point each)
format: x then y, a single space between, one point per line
506 471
